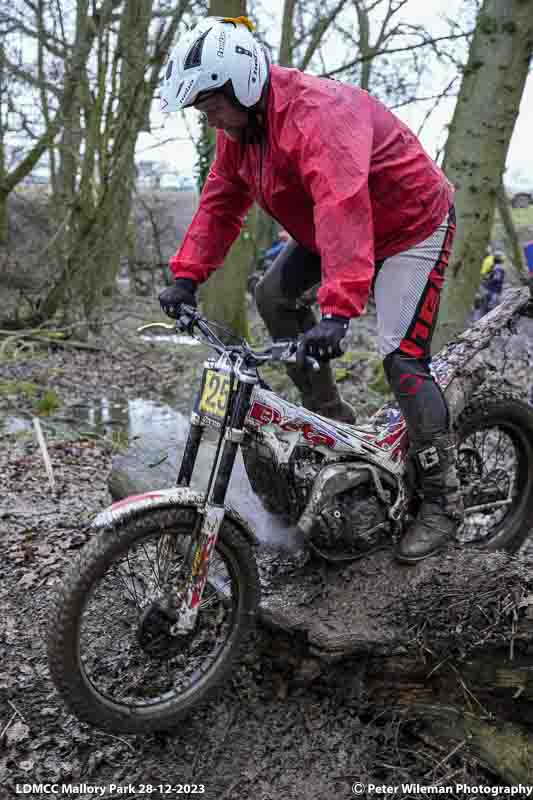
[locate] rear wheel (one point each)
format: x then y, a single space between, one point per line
112 651
495 466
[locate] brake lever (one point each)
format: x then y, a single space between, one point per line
285 350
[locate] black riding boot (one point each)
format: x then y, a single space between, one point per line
433 450
320 393
440 511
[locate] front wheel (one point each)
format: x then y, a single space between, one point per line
112 651
495 467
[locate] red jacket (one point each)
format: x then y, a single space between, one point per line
340 173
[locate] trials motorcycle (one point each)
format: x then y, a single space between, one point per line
151 617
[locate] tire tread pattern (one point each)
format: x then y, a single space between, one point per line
68 604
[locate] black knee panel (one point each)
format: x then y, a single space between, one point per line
420 398
402 369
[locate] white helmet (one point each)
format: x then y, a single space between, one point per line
217 50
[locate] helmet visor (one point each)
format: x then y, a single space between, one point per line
201 96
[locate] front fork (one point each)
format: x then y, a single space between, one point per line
212 515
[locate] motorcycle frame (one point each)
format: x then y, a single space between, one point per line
381 443
256 411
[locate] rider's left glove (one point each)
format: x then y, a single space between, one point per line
182 291
323 342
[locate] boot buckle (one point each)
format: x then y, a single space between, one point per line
428 458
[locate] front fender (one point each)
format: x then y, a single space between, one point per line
138 504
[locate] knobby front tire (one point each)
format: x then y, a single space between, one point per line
113 682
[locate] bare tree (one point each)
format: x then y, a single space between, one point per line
73 68
110 56
511 235
478 141
224 294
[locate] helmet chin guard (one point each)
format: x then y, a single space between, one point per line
218 51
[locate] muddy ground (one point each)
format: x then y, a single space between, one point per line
268 735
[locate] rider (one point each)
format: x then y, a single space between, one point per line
366 208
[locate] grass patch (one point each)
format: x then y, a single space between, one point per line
38 398
47 402
16 388
379 383
523 221
342 374
523 216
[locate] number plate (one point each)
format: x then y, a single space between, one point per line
215 394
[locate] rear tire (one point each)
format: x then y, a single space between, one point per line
514 418
97 561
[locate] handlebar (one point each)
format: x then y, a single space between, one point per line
190 319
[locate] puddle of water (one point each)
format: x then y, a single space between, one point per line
158 422
133 418
14 424
171 338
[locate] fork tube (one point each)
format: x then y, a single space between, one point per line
233 436
188 459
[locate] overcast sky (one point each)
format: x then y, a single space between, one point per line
180 152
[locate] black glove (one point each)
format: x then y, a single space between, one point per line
182 291
323 341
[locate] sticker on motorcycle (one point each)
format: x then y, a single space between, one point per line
215 394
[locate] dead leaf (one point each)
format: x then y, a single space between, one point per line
6 681
17 733
49 711
27 580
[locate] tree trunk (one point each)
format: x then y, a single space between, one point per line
4 231
93 185
287 34
227 8
224 295
511 235
264 229
477 145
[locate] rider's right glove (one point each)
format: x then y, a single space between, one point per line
182 291
323 341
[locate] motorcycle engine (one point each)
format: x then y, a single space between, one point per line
283 488
352 525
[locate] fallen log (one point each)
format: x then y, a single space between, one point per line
455 630
371 606
46 338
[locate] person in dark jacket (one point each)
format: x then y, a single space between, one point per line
493 281
366 209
